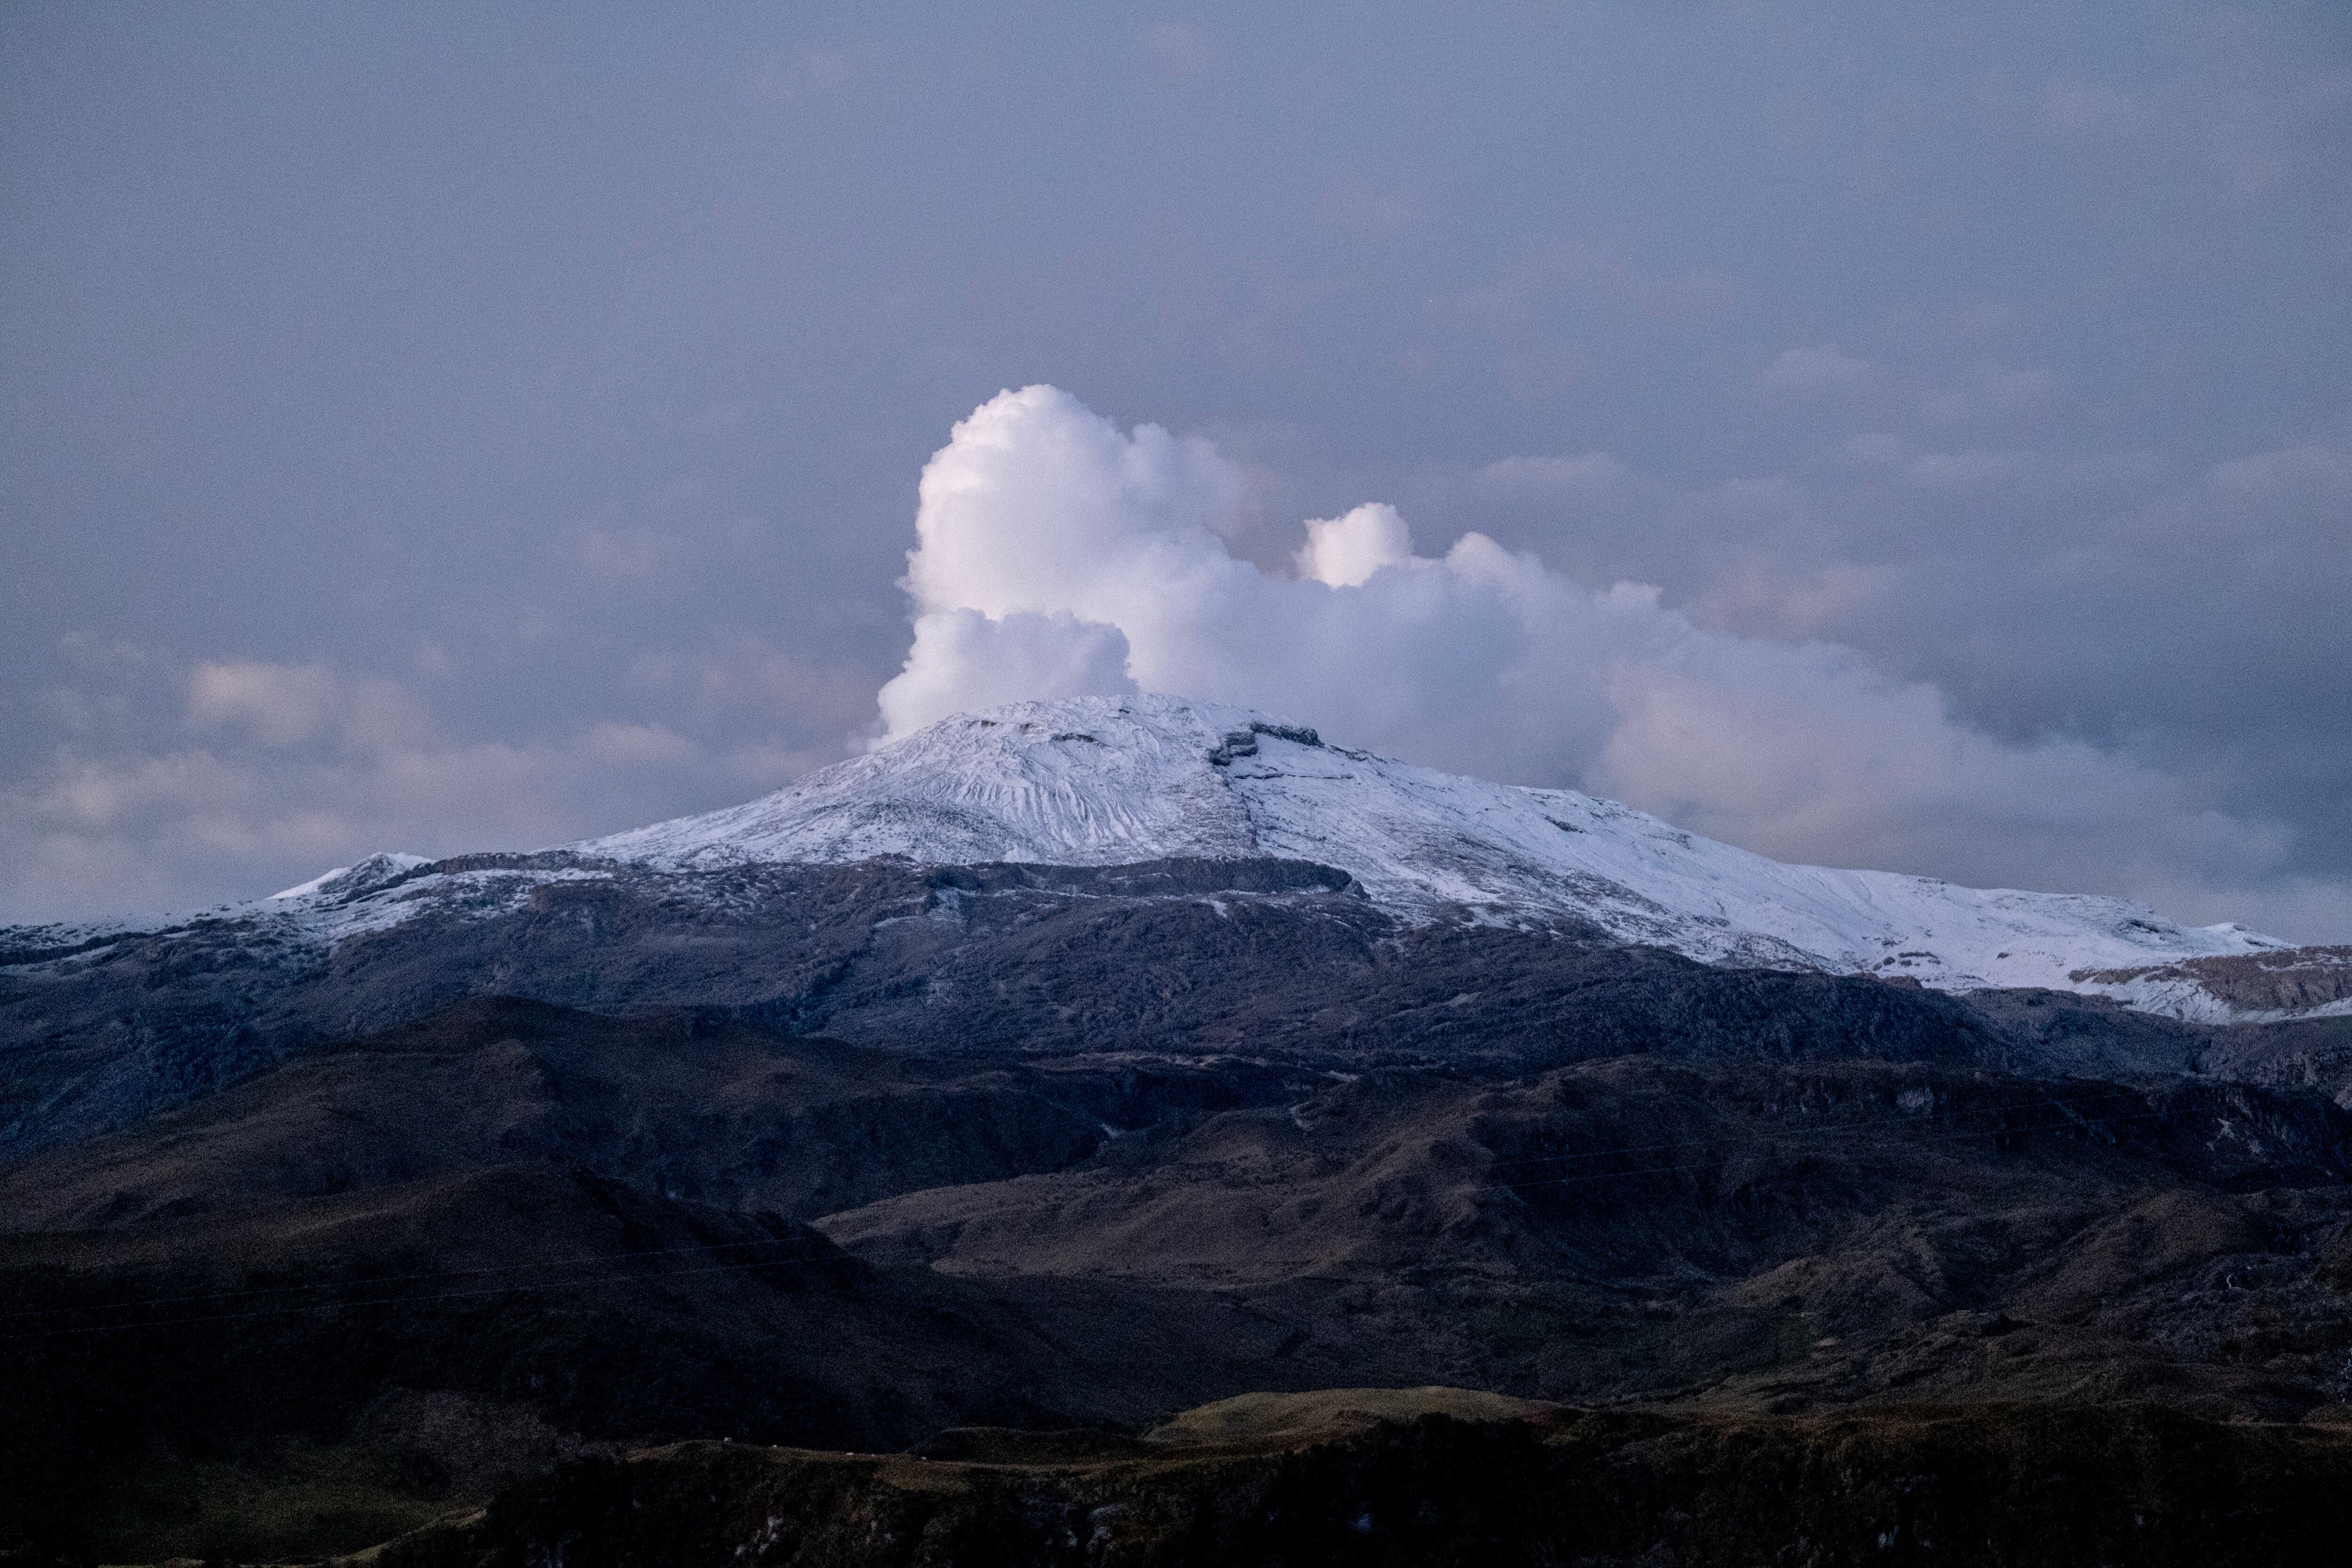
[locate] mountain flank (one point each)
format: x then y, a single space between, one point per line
632 1197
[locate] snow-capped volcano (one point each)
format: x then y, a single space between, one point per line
1107 781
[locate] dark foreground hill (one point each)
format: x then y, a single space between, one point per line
1786 1220
1430 1477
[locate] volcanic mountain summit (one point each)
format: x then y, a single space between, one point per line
1111 781
1099 783
909 889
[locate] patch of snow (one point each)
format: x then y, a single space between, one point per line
344 881
304 889
1104 781
1112 781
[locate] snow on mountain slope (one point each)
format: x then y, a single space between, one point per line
1112 781
1101 781
1084 782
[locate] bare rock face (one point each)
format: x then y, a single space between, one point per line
2312 1053
2292 981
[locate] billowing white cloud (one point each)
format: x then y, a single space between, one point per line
1058 556
1344 552
964 659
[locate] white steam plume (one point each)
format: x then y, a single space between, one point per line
1061 557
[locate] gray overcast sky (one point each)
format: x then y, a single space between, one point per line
434 427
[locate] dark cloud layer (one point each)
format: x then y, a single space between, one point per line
490 425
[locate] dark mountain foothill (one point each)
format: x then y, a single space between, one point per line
1408 1482
490 1225
1253 956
